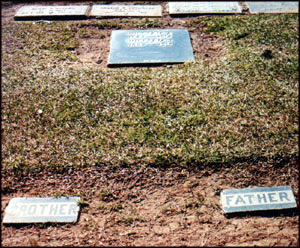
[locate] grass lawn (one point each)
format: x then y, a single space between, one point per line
242 106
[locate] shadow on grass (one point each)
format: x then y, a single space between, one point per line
204 14
50 18
161 163
136 65
171 162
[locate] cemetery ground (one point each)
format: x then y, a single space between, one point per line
150 148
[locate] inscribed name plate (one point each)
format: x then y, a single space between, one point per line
273 7
42 210
37 11
126 10
256 199
150 46
204 7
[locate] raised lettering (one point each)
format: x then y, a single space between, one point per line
23 209
271 197
163 39
228 199
43 208
62 210
249 198
261 197
72 209
283 195
32 210
239 199
53 209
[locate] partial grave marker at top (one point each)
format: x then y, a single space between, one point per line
150 47
176 8
126 10
24 210
68 11
257 199
273 7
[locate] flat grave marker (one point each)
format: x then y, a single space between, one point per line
273 7
176 8
23 210
125 10
33 11
257 199
150 46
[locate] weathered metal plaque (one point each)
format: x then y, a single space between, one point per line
256 199
42 210
48 11
273 7
125 10
150 46
176 8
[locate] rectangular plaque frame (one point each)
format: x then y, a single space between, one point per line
176 8
52 12
273 7
104 10
150 47
23 210
257 199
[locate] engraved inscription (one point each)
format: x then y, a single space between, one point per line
51 10
261 198
273 7
204 7
150 46
43 209
126 10
158 38
258 198
37 210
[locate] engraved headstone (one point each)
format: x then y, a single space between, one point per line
125 10
150 46
42 210
33 11
176 8
273 7
257 199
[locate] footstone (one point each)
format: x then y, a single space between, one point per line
126 10
52 11
204 8
257 199
150 46
273 7
42 210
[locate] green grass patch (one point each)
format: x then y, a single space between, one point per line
241 106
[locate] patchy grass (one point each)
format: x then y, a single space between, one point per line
243 106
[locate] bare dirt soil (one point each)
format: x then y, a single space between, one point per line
156 207
152 206
93 49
